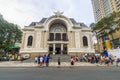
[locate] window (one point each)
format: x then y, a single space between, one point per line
85 41
30 40
58 37
64 36
51 36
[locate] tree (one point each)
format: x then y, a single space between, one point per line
117 21
9 34
109 21
108 25
17 35
92 25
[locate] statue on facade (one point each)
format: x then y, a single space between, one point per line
58 13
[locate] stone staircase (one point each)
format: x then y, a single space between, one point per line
53 58
29 60
63 58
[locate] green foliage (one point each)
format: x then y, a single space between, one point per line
117 22
109 21
92 25
9 34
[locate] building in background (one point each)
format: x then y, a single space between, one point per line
56 34
101 9
118 4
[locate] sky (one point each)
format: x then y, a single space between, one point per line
23 12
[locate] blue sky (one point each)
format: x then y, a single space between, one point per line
23 12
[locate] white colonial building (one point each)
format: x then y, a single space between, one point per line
56 34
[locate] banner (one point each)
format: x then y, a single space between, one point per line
108 45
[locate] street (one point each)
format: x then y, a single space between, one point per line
54 73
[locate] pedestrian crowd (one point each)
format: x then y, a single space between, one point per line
42 59
98 59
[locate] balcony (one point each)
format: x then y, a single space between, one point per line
57 39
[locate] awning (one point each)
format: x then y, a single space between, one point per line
13 47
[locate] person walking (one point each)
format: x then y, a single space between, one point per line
116 61
41 60
46 59
72 60
36 59
59 62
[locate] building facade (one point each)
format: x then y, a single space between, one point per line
56 34
118 4
109 38
103 8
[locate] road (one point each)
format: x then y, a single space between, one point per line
75 73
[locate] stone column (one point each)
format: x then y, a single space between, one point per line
61 48
23 40
67 48
53 49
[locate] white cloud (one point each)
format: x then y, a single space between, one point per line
23 12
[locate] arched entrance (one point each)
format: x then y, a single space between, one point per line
58 39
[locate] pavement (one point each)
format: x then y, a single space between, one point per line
55 73
51 64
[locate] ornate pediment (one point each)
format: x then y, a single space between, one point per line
58 13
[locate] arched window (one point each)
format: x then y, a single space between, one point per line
85 41
58 31
58 37
51 36
30 40
64 36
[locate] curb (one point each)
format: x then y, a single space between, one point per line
14 64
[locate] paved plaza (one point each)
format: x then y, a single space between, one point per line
32 64
54 73
51 64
